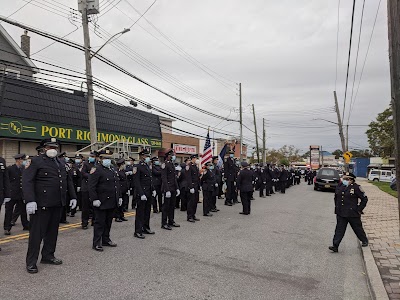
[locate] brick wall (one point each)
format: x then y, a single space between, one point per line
8 150
168 139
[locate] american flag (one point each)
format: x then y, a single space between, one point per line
207 153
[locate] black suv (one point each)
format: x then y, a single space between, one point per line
326 178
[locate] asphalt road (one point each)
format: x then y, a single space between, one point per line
280 251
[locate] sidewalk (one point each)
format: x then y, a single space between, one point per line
381 223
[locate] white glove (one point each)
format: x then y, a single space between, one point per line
129 173
178 192
154 193
216 185
234 183
168 194
78 189
119 201
96 203
191 190
31 208
129 192
264 182
7 200
73 203
143 198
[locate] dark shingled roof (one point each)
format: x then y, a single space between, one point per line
37 102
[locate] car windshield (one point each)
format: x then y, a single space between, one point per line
327 172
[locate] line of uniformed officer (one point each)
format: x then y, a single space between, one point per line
87 207
245 182
193 182
208 184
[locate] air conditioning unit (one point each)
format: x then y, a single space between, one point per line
93 6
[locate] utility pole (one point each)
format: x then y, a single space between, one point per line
241 122
264 158
340 128
393 7
347 137
255 130
89 76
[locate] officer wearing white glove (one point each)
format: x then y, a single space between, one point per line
31 208
96 203
73 203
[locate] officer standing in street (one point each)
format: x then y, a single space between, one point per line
104 192
208 185
170 189
194 187
349 210
123 186
218 177
15 175
87 207
142 180
184 185
76 165
245 187
156 177
283 178
229 173
45 184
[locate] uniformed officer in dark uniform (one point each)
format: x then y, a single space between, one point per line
283 178
230 174
170 189
104 192
349 210
15 175
183 185
123 186
262 176
45 184
245 187
4 183
71 203
87 207
76 165
218 176
129 167
194 188
145 192
297 176
156 177
208 185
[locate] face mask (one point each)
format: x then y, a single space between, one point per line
211 167
173 157
78 161
51 153
92 159
345 182
197 161
66 159
24 163
106 162
178 168
128 163
157 163
147 160
231 155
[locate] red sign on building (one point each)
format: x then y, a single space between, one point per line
186 149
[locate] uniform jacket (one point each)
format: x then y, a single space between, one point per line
142 179
168 178
123 182
104 186
284 175
347 200
4 181
85 172
208 181
46 182
186 179
156 172
15 176
245 180
76 175
218 174
194 177
229 169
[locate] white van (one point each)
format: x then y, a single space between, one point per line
381 175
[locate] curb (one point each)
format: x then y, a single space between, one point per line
374 279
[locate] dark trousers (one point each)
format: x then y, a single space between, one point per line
262 188
214 198
246 196
168 209
230 191
297 180
119 211
9 213
43 227
341 225
283 186
192 204
184 199
157 200
16 213
86 207
270 187
102 225
207 201
310 180
143 210
220 193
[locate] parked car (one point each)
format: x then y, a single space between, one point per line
380 175
327 178
393 184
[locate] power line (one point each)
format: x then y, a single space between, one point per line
10 15
142 15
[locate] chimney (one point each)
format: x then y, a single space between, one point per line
26 43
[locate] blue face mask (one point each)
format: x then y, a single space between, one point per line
78 161
211 167
66 159
231 155
173 157
147 160
24 162
106 162
92 159
157 163
345 182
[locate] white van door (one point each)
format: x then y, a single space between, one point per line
386 176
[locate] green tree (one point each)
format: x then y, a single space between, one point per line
381 134
338 153
284 161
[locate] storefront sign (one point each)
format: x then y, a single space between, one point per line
185 149
16 128
314 157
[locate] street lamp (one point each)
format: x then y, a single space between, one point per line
118 33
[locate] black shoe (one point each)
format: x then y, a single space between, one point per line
84 227
214 210
7 232
166 227
155 211
268 195
118 220
32 269
51 261
174 225
109 244
191 220
148 231
12 223
98 248
333 248
124 219
228 204
72 215
364 244
139 235
243 213
208 215
196 219
125 210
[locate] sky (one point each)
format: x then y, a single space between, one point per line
284 53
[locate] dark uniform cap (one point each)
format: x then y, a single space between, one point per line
120 161
231 152
208 164
350 175
154 158
132 158
105 153
245 164
169 152
20 156
78 155
53 142
39 148
94 153
144 152
215 157
194 156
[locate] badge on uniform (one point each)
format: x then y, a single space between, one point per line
187 168
352 191
134 170
163 166
92 170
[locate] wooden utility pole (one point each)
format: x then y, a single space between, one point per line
264 141
255 130
241 122
339 123
393 7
